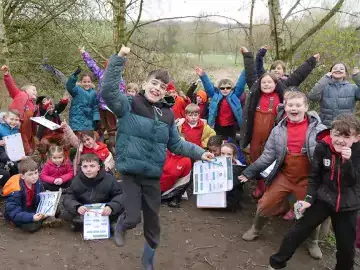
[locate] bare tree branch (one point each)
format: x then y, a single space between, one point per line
131 32
291 10
327 9
251 39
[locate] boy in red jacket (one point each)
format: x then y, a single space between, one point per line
181 101
333 190
24 102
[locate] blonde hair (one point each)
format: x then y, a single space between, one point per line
12 111
295 94
132 86
192 108
26 87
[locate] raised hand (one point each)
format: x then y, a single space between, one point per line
243 50
199 71
5 69
266 47
77 71
124 51
317 57
81 49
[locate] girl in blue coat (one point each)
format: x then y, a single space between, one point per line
84 110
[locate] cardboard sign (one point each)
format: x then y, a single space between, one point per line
96 226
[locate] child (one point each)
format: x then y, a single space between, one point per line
225 111
199 98
147 129
92 185
291 144
132 89
22 192
84 111
87 144
181 101
333 190
24 103
57 172
335 94
266 93
193 128
214 145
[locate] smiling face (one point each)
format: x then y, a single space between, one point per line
338 71
89 142
12 120
227 152
154 90
295 109
86 82
90 168
172 93
339 140
48 105
225 89
278 71
31 91
215 150
267 84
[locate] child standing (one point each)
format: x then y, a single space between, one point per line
335 94
147 129
194 129
333 190
199 98
24 103
22 197
84 111
92 185
225 111
181 101
57 172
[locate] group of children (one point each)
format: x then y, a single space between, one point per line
314 157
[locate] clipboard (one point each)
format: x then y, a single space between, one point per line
44 122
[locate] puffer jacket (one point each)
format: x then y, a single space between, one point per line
99 75
276 147
6 130
216 97
335 97
333 180
295 79
145 129
51 171
104 188
84 107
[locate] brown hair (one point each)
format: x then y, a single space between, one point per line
89 133
215 140
344 123
89 157
27 165
226 81
192 108
295 94
55 149
86 74
132 86
231 146
276 63
160 74
14 112
346 69
272 76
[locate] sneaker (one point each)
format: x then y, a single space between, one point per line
119 236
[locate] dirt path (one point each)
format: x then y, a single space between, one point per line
191 239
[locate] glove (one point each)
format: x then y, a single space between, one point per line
77 71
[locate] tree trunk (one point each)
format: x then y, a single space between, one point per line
119 23
251 38
4 56
276 33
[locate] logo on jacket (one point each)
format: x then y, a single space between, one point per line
327 162
179 167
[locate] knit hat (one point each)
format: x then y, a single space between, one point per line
170 87
203 95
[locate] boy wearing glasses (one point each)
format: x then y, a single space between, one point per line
225 111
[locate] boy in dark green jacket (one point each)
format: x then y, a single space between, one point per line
146 128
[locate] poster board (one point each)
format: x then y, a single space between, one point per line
14 147
44 122
96 226
49 202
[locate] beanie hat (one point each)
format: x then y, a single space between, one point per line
170 87
202 94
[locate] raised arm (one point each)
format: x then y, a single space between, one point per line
250 69
71 83
69 135
9 82
316 92
260 70
60 107
208 85
301 73
240 85
91 64
116 101
191 90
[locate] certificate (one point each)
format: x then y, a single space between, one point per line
96 226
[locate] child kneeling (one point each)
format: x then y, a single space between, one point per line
91 185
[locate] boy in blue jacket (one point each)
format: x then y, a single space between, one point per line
22 191
146 129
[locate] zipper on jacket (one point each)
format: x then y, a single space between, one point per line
339 189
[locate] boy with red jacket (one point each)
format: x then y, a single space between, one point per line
333 190
181 101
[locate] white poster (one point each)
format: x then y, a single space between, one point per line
96 226
14 147
44 122
49 202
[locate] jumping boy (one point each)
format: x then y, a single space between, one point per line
333 191
147 129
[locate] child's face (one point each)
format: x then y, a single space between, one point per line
172 93
131 92
154 90
57 158
86 82
215 150
12 120
267 85
192 118
88 141
339 140
90 168
31 91
227 152
225 89
295 109
278 71
338 71
30 177
199 100
48 105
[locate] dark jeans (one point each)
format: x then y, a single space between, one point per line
53 187
31 227
141 193
344 224
226 132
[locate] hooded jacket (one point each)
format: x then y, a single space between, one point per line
332 179
104 188
51 171
202 131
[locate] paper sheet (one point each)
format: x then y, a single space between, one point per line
211 200
14 147
96 226
46 123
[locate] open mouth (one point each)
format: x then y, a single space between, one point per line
294 114
154 93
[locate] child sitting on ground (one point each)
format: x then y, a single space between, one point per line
333 191
92 185
57 172
22 197
194 129
24 103
132 89
225 111
181 100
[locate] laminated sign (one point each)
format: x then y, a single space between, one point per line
49 202
96 226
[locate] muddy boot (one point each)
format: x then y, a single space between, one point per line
260 189
147 259
111 144
119 235
255 229
313 244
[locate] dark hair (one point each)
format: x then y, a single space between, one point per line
27 165
159 74
215 140
346 70
276 63
89 157
89 133
231 146
272 76
344 123
86 74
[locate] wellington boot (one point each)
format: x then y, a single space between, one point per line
255 229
